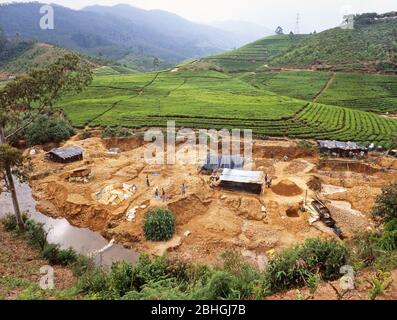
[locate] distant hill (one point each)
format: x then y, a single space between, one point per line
255 55
115 32
245 32
369 47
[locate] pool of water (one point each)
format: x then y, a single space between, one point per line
61 232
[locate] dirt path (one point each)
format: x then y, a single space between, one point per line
326 87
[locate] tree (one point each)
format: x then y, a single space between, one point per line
34 92
12 158
279 30
386 204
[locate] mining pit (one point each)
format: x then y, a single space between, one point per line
114 198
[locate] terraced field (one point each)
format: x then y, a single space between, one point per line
254 55
297 84
376 93
209 99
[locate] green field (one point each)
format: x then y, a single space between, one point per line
297 84
376 93
254 55
209 99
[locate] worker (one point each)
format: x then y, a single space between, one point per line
266 178
163 196
269 182
157 194
286 158
183 189
147 181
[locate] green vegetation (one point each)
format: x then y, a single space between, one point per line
36 236
303 265
47 129
386 204
367 92
304 85
299 265
115 133
159 225
11 48
35 56
256 54
364 48
217 100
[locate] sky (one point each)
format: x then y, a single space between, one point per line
314 14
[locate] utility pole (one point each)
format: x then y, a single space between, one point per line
297 26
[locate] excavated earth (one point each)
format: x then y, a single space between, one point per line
115 200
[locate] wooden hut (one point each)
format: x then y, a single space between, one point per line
65 155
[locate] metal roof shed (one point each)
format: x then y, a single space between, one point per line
215 162
66 155
250 181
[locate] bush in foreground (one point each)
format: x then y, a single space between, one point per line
295 267
386 204
159 225
56 256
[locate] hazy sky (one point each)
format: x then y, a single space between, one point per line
315 14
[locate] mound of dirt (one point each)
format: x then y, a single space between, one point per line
287 188
315 184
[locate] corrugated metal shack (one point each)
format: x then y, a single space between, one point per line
65 155
342 149
216 162
240 180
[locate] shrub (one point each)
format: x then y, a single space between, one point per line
220 285
294 267
115 133
55 256
94 282
84 135
147 270
121 278
48 129
35 234
9 223
82 265
386 204
159 225
166 289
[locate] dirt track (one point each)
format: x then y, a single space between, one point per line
209 220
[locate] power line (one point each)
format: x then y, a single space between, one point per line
297 26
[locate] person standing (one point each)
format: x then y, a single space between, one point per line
183 189
147 181
163 196
157 194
